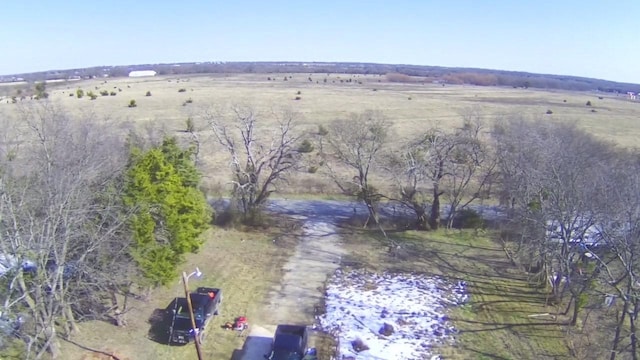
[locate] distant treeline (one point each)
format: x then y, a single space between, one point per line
400 73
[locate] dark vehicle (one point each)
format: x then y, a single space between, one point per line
206 303
289 343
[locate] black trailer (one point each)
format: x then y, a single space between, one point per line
289 343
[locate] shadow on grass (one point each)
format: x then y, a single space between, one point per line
496 322
490 326
160 322
254 348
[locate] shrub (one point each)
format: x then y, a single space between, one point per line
132 103
79 93
564 100
191 127
322 131
409 98
589 103
104 93
182 90
600 97
305 146
113 93
312 169
593 110
188 101
299 92
298 98
41 91
468 219
70 94
285 78
549 112
148 93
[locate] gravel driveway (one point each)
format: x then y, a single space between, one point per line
293 301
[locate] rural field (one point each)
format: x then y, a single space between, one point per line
411 107
254 265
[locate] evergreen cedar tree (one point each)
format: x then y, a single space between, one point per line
169 212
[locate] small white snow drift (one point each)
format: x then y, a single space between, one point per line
360 303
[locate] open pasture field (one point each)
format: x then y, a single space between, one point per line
411 106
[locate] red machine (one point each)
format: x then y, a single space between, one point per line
240 324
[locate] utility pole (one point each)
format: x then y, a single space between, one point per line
185 279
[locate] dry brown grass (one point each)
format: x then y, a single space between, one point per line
615 118
430 104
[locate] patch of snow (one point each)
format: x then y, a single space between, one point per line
360 303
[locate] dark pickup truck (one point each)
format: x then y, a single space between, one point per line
289 343
206 303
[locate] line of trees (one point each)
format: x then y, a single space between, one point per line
402 73
84 217
574 207
572 201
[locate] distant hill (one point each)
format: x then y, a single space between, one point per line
399 73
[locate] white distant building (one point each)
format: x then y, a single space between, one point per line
141 73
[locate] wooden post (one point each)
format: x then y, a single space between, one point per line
191 315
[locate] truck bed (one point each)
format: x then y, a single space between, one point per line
289 342
206 303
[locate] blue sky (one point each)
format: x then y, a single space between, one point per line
592 38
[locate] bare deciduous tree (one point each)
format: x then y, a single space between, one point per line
455 166
471 166
548 174
356 144
258 162
60 212
619 225
407 171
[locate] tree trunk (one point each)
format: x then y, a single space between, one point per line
372 215
52 345
421 218
576 311
119 310
72 326
434 218
632 329
616 338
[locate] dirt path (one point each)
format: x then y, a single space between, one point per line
293 301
